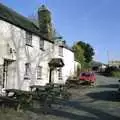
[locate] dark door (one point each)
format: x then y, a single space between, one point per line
5 71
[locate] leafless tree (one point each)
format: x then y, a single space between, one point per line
19 43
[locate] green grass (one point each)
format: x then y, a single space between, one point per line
11 114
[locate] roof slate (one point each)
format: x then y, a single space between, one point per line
9 15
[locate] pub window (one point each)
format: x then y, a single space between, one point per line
39 72
60 51
28 38
60 74
27 69
42 44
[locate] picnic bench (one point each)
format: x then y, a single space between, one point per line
23 98
51 91
7 102
42 93
44 96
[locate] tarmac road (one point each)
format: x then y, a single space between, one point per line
89 103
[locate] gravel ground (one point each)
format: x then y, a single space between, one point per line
87 103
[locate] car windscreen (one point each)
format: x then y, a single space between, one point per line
85 74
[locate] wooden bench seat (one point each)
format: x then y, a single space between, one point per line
8 102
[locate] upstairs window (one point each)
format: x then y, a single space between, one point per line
41 44
27 69
60 74
60 51
39 72
29 38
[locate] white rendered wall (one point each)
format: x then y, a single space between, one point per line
14 37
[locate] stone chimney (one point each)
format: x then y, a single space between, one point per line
45 24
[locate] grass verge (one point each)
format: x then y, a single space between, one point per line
116 74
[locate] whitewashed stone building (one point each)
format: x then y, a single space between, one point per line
25 54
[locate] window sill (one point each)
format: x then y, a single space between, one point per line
39 78
42 49
61 55
27 77
29 45
60 78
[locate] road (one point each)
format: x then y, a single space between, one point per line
90 103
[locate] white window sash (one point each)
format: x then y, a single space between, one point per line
28 38
39 72
41 44
60 74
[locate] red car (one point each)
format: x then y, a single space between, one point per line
88 76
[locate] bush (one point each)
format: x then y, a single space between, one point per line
116 74
112 71
11 114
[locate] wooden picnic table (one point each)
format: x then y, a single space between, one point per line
49 91
42 88
4 99
17 92
45 95
23 97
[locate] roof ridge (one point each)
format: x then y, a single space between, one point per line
17 13
11 16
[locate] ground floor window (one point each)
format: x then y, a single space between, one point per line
27 69
60 74
39 72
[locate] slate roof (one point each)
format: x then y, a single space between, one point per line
9 15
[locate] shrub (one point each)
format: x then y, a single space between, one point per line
112 71
116 74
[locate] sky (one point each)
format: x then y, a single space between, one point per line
96 22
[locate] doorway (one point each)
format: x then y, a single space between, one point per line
5 72
6 66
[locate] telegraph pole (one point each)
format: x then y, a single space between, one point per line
108 57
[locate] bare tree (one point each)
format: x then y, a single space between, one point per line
19 43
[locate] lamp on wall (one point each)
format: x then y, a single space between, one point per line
11 51
58 69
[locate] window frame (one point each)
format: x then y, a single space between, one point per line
41 44
39 72
61 51
28 38
27 70
60 74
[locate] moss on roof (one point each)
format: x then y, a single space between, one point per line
9 15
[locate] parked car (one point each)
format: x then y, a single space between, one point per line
89 77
